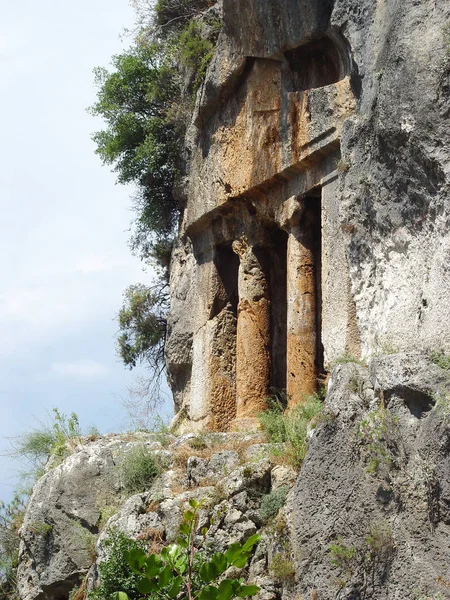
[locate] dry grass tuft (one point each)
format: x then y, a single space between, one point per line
155 535
205 446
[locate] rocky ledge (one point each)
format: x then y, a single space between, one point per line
368 516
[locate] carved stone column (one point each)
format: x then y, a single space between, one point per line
253 337
302 309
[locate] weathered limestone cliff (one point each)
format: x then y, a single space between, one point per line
315 220
315 225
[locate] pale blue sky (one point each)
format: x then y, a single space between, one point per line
63 226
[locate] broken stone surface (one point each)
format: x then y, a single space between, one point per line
62 520
200 470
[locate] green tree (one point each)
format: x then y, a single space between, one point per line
143 325
140 140
145 102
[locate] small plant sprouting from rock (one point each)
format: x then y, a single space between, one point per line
347 358
198 442
282 567
40 528
138 468
342 556
343 165
290 427
183 570
106 512
441 359
273 502
377 432
380 541
57 439
376 551
86 540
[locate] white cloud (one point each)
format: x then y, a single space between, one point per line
84 369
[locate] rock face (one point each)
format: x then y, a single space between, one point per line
64 515
370 513
69 518
319 144
367 517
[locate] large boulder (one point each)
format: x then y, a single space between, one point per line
370 512
64 514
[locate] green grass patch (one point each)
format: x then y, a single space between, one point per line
271 503
347 358
441 359
290 428
138 468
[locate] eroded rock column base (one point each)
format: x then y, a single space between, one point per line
253 337
302 309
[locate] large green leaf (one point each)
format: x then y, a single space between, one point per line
252 540
220 562
135 558
181 564
247 590
182 542
153 565
227 589
146 586
208 593
165 576
120 596
234 552
171 553
189 516
208 572
241 561
175 587
184 529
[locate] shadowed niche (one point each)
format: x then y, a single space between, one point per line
319 63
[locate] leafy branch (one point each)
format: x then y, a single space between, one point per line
183 568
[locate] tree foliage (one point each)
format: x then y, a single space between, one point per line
139 141
143 325
143 101
139 102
